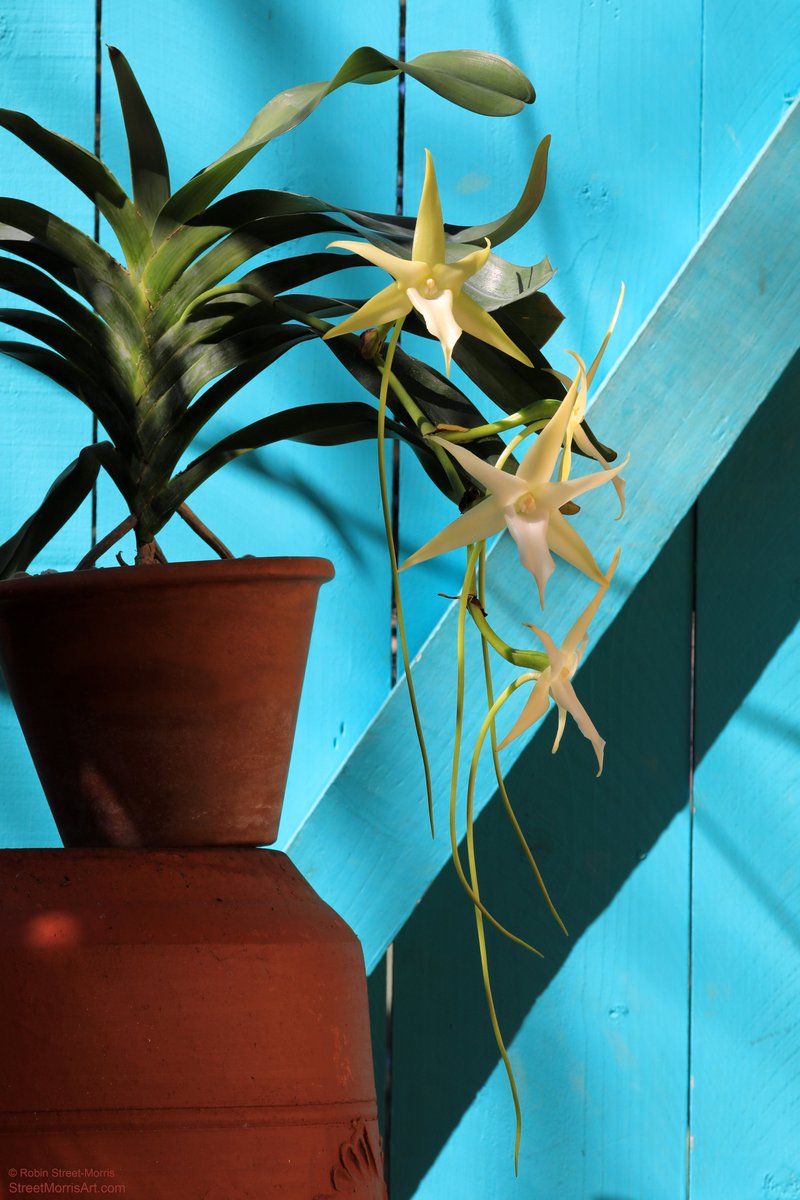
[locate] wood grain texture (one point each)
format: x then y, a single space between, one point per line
678 400
745 1112
751 73
46 69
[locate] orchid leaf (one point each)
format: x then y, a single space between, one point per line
500 230
90 175
63 499
72 378
287 273
149 167
178 435
473 79
32 284
107 284
316 424
500 282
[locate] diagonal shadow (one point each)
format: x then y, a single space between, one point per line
589 835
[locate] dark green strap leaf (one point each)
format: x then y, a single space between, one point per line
88 173
440 401
32 284
473 79
169 432
501 229
316 424
90 357
68 376
106 284
149 167
62 500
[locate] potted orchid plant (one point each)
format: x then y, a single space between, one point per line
156 344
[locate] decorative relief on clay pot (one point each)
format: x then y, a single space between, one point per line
358 1171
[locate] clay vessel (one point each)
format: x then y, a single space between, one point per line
159 703
187 1025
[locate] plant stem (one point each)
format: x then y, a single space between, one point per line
537 414
387 524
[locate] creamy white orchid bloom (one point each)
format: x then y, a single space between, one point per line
556 680
526 503
429 284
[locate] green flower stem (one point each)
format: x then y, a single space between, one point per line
537 415
474 897
530 660
387 524
498 771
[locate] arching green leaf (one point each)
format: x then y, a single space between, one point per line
316 424
90 175
149 167
62 500
482 82
501 229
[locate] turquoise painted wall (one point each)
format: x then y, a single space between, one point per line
675 1004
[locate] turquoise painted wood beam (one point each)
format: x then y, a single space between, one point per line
714 346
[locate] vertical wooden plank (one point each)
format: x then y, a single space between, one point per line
205 76
47 61
598 1028
745 1109
622 195
751 71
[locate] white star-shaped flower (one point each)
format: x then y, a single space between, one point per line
527 503
556 680
429 284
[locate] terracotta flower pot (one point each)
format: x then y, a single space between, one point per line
159 703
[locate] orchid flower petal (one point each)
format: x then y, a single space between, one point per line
455 274
535 707
502 484
579 631
556 494
475 525
406 271
562 720
588 448
539 462
428 245
590 374
564 695
530 534
437 314
567 543
388 305
552 650
476 321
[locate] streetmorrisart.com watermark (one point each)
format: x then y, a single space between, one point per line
63 1181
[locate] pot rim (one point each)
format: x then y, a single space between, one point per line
177 574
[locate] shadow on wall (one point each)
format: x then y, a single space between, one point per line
590 835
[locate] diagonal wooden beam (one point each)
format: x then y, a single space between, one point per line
708 355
